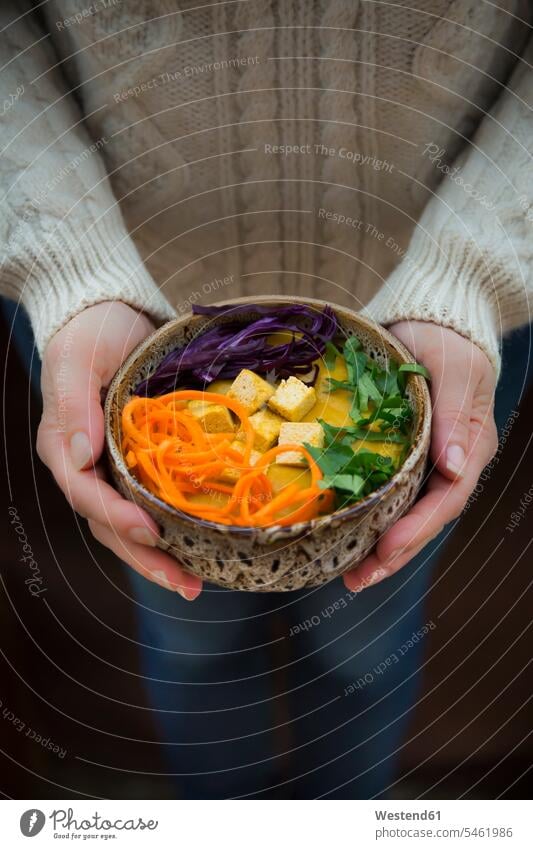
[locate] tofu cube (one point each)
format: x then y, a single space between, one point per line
214 418
293 399
230 475
266 425
296 433
250 390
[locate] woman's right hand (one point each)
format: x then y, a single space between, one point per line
78 363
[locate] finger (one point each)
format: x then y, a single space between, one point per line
442 503
409 535
72 402
450 441
93 498
151 563
78 361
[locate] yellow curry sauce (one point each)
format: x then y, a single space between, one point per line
332 407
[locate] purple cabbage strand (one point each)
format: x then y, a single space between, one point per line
224 350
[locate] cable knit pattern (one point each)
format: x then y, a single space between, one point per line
57 199
338 76
257 124
468 267
378 155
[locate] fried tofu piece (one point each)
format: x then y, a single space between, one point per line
250 390
296 433
266 425
220 386
230 475
214 418
292 399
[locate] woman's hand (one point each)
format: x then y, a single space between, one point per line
464 439
78 364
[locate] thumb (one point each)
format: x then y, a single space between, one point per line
71 386
452 407
85 420
79 360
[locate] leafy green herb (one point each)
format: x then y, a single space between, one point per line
332 459
330 355
415 368
386 380
350 433
348 488
378 395
355 411
335 384
367 389
352 474
356 363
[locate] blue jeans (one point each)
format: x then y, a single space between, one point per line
301 695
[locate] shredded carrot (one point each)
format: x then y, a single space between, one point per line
166 448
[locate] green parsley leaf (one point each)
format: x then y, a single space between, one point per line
353 432
355 409
356 359
335 384
330 356
387 380
333 460
351 484
415 368
370 387
378 395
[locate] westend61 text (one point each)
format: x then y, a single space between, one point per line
407 815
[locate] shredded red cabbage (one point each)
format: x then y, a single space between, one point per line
227 348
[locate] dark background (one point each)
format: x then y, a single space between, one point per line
471 733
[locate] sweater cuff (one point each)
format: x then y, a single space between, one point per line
449 285
78 267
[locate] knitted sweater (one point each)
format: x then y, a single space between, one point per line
375 154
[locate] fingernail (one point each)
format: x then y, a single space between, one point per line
376 576
392 557
143 536
373 578
80 450
408 551
188 593
455 458
161 578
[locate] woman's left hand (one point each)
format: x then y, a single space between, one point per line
464 439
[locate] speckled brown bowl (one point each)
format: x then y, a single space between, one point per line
272 559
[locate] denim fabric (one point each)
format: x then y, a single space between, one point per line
294 695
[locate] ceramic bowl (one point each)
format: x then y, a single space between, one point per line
272 559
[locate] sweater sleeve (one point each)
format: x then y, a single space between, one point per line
63 243
469 265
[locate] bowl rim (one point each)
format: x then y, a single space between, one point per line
347 513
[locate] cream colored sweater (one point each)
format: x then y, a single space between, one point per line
370 153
